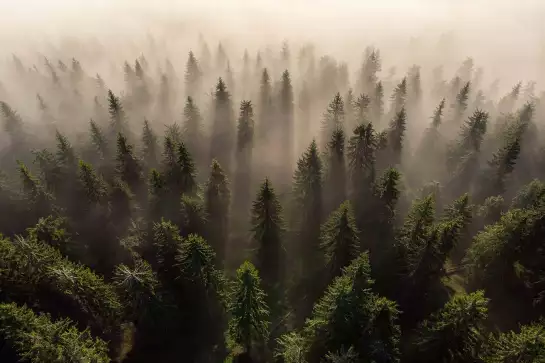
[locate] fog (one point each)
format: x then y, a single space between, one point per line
499 35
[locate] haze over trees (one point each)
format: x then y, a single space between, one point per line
272 205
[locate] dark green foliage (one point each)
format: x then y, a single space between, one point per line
335 179
223 129
150 146
243 173
333 117
268 231
396 133
118 122
249 325
339 239
526 346
217 199
193 131
36 338
454 334
128 167
329 330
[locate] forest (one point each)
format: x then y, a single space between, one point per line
269 206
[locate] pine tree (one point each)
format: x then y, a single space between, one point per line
286 127
501 166
186 165
193 130
528 345
217 200
249 325
203 290
335 180
398 97
193 76
361 160
118 122
396 134
454 333
308 210
223 128
128 167
265 107
149 146
267 234
243 175
333 118
339 239
36 338
328 330
377 103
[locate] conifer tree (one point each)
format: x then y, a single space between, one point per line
223 128
361 160
193 131
118 122
335 180
217 201
267 234
454 333
286 126
128 167
328 330
308 210
99 141
398 97
204 289
377 103
186 165
528 345
265 106
396 134
249 325
502 164
193 76
333 118
243 175
149 146
339 239
36 338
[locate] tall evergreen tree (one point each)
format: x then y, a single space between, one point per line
149 146
243 175
217 201
249 325
333 118
118 119
335 179
268 232
339 239
223 128
193 76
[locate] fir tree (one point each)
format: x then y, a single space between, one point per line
193 76
249 325
267 234
193 130
118 122
223 128
339 239
217 201
396 133
454 333
149 146
335 180
333 118
245 135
